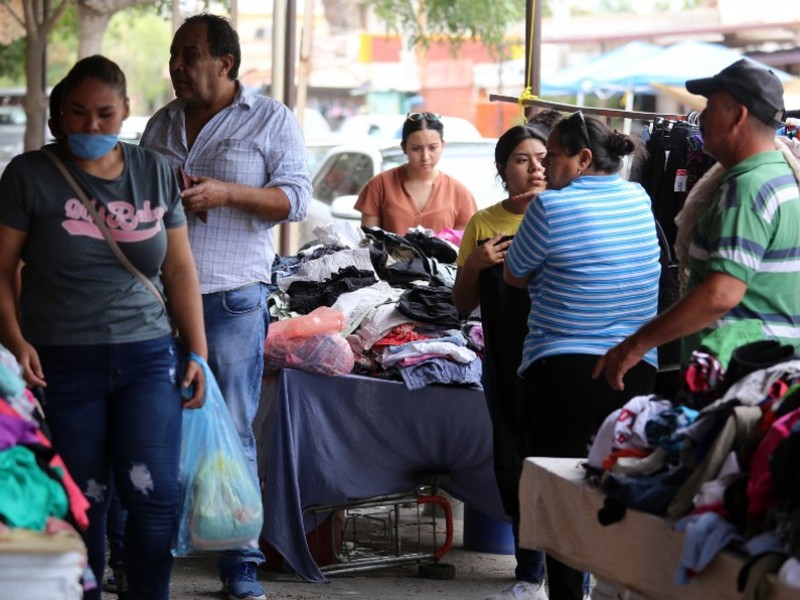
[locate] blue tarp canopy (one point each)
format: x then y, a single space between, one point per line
593 74
637 66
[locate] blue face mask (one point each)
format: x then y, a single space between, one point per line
89 146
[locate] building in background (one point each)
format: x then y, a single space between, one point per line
356 67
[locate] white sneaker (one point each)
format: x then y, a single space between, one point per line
522 590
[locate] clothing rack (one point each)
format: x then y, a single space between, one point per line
611 113
661 127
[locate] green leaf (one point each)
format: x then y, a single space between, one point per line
423 21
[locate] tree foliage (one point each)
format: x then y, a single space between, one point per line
423 21
62 46
164 7
12 62
146 68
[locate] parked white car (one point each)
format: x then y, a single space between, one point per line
346 169
317 148
12 133
315 125
133 128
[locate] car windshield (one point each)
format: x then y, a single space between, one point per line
316 151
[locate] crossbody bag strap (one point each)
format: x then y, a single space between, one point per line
103 228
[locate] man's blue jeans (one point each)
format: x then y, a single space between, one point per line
236 327
530 563
119 407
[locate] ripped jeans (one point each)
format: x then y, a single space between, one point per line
118 407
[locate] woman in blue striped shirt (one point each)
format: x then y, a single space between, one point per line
588 254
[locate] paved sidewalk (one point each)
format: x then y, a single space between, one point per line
478 575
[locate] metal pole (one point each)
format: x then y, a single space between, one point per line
304 68
278 49
45 18
282 88
533 48
536 67
528 42
289 88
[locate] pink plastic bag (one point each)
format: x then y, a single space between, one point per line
318 321
326 353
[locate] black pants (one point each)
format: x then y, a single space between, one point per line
564 409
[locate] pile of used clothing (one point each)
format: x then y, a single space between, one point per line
38 497
395 295
722 458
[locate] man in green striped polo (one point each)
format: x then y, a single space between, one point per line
745 257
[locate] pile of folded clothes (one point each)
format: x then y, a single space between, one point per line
722 458
395 296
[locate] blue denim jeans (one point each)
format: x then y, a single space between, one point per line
530 563
236 327
115 529
118 407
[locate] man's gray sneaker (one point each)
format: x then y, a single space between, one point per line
522 590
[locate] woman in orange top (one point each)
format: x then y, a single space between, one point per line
417 193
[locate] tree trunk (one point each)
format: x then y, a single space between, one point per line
93 27
35 97
39 18
94 16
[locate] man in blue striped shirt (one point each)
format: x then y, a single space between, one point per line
745 256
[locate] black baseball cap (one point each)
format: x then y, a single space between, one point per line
759 89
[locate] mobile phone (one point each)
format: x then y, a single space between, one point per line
184 183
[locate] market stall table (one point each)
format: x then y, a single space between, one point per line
328 440
640 553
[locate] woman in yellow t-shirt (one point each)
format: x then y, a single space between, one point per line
518 158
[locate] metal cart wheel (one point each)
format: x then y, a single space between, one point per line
438 570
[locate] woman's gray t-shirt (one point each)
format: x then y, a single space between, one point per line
74 290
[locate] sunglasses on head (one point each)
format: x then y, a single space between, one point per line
578 119
418 116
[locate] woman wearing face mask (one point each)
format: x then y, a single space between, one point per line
416 193
89 332
588 255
